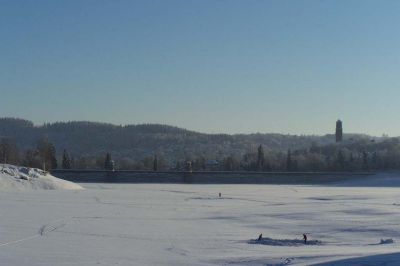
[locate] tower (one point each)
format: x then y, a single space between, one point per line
339 131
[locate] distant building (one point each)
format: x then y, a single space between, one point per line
339 131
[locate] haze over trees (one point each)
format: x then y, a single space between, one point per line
88 145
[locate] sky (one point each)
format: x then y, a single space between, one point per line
212 66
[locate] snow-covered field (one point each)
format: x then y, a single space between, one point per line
167 224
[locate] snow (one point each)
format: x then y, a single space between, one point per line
24 178
176 224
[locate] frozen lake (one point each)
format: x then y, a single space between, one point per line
168 224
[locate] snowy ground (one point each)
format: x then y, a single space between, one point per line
24 178
167 224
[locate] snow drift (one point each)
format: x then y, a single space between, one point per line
19 177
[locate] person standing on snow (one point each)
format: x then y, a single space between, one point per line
305 239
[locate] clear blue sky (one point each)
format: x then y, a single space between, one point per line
212 66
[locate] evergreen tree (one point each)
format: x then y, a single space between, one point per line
260 158
108 163
289 162
66 162
365 160
375 160
155 163
352 165
52 157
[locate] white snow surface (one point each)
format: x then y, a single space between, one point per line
175 224
23 178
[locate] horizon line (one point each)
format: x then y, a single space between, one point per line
190 130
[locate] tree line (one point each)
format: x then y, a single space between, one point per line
130 144
349 155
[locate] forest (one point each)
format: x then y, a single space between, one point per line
91 145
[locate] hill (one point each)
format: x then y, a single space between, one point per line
83 138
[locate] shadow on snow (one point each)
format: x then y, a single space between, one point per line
283 242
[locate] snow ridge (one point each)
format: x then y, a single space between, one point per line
25 178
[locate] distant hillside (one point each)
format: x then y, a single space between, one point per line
137 141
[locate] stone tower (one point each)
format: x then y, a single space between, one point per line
339 131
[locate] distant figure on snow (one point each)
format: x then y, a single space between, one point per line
220 194
305 239
259 237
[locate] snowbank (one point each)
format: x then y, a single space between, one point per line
18 177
